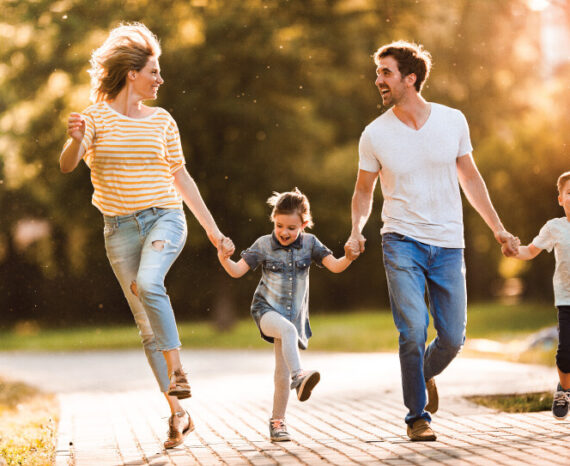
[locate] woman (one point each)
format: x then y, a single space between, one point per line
139 180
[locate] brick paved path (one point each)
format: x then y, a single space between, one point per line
112 414
127 429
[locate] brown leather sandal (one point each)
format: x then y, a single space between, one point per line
179 385
175 435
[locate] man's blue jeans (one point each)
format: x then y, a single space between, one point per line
141 248
410 267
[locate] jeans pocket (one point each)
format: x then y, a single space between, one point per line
109 230
391 236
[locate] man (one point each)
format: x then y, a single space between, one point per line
422 153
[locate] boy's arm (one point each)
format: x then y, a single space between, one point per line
527 253
336 265
234 269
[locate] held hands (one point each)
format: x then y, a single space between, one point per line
354 246
509 243
76 126
225 248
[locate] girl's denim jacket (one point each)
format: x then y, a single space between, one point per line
284 284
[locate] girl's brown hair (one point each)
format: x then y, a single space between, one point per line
292 202
128 47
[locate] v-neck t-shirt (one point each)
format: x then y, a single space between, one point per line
418 174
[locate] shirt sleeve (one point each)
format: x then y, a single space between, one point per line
545 238
367 161
253 256
174 154
319 251
465 146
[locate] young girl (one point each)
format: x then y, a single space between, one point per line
280 304
555 234
140 180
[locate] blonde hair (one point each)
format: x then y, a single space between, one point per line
292 202
128 47
562 179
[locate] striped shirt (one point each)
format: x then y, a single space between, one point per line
132 161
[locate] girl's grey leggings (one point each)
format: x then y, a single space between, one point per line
287 360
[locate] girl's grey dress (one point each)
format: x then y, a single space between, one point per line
284 284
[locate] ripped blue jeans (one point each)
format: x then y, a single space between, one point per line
141 248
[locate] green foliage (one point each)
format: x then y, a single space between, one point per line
268 95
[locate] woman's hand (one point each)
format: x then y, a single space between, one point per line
76 126
226 247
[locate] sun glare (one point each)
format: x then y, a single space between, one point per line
538 5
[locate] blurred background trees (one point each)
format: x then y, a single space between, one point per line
269 95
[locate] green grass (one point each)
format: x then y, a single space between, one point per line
363 331
517 403
506 322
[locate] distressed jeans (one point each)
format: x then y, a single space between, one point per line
141 247
411 268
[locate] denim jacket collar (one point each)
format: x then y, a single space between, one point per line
297 244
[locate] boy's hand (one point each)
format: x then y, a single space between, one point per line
510 248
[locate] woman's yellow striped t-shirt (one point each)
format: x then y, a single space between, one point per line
132 161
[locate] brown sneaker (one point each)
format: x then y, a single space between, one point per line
179 386
176 435
420 431
433 397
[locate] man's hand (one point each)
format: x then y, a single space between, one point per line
351 249
354 246
509 243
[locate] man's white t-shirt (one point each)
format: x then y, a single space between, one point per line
555 234
418 174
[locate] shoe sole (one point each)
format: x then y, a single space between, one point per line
431 438
307 386
281 439
180 394
559 418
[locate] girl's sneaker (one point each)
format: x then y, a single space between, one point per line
304 382
560 404
278 430
179 386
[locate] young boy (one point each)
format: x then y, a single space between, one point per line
556 235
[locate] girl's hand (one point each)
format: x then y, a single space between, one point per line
226 247
76 126
352 249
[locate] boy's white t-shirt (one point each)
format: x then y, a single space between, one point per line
419 174
555 234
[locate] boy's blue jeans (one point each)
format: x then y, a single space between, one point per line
410 267
141 248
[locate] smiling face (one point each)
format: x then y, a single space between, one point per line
288 227
564 199
147 81
392 85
